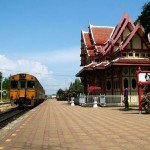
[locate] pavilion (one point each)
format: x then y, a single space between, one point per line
110 56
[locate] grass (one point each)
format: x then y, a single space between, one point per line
6 100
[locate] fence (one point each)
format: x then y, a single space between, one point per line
106 100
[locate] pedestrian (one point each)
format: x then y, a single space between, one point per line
126 98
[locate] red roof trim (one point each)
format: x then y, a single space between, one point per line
83 70
101 65
118 31
86 68
91 65
132 61
91 53
119 25
127 40
120 64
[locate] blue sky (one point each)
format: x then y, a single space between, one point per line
43 36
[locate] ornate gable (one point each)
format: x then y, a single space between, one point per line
136 38
122 30
100 34
103 41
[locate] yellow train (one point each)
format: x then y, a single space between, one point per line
25 90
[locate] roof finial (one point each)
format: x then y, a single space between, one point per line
125 15
89 22
81 29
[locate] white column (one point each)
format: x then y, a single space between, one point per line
95 102
122 98
72 101
2 90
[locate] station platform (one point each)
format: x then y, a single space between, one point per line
55 125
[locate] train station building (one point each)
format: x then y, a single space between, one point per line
110 56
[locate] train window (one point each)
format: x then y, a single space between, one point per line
23 84
30 84
14 84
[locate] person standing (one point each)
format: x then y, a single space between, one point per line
126 98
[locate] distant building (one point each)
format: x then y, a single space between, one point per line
53 96
110 56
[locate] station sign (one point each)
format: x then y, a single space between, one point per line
144 77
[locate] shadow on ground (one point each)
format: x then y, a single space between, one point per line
134 110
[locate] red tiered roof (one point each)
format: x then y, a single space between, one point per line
87 39
100 41
100 34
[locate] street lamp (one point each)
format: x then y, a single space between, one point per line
1 81
1 90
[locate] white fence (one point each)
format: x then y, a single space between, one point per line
106 100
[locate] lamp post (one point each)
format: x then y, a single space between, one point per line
1 91
1 81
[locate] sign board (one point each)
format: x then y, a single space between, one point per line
4 92
144 77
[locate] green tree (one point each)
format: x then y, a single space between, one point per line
144 18
61 94
76 86
6 84
1 76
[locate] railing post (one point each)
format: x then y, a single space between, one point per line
95 102
72 101
104 100
122 98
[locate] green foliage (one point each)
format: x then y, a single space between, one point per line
6 84
61 94
144 18
60 91
0 76
75 88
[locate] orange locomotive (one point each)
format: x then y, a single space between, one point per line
25 90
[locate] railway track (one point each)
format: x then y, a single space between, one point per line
4 103
9 116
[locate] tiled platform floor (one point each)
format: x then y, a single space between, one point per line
56 125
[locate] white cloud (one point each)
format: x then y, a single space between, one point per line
47 66
12 66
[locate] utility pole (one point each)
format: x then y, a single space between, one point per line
1 81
